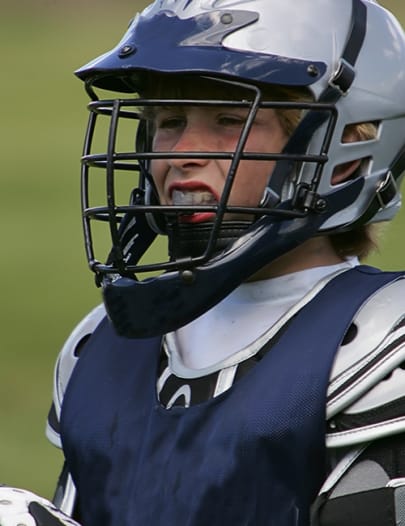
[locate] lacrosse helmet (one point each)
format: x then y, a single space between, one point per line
347 56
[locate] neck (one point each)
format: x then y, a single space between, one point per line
315 252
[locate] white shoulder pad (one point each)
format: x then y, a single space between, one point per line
65 364
368 379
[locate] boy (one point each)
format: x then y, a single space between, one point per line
268 145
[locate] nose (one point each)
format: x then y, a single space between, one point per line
195 137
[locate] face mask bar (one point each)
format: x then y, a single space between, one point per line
114 162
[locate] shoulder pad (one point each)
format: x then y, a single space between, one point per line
366 398
65 364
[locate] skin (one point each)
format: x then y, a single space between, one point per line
215 130
202 180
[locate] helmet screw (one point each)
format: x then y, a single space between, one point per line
320 205
312 70
188 277
226 19
126 51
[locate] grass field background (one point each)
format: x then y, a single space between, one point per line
46 287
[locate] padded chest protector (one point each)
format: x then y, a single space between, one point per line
255 455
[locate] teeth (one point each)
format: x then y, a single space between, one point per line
180 197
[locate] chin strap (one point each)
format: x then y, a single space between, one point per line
155 306
191 240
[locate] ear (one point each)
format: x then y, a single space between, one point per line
344 171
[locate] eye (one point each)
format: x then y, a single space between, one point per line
168 121
231 120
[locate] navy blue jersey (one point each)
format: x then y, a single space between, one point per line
254 455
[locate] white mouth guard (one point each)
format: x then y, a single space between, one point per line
190 198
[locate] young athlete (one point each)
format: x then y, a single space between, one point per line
254 378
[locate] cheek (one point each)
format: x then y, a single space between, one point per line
158 169
253 176
161 141
250 182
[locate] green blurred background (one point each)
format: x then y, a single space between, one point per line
46 287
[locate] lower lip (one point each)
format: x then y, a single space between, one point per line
197 218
